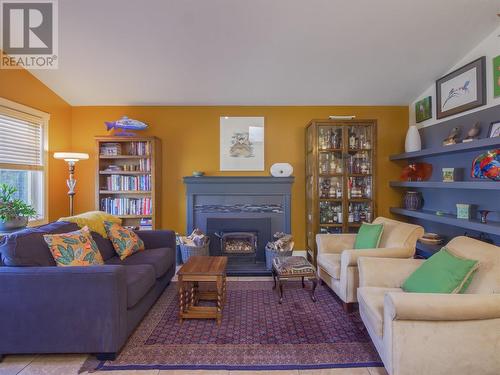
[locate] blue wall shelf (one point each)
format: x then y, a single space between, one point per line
490 227
473 185
481 194
451 149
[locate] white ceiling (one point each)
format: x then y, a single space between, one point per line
260 52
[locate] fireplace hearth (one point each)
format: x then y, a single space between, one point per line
238 243
240 215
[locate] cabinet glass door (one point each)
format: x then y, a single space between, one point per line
359 181
330 178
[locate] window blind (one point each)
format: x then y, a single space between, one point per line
21 140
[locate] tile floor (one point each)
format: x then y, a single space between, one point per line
69 364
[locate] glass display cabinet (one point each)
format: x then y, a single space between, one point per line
340 177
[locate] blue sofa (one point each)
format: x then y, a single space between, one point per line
94 309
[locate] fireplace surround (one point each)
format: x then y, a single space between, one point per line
239 211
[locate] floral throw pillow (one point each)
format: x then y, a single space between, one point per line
74 248
125 241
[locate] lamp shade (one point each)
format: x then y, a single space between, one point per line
71 156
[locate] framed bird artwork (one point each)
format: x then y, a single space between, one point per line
462 89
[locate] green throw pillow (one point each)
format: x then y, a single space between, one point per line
441 273
368 236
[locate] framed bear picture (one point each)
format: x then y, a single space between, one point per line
241 143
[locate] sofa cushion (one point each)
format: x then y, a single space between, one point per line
74 248
94 220
28 248
441 273
104 245
368 236
124 240
330 263
161 259
140 279
371 305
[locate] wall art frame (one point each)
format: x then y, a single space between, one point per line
461 90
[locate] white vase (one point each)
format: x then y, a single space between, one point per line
413 142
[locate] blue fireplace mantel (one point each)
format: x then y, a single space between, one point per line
238 196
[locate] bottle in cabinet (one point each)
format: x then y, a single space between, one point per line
340 163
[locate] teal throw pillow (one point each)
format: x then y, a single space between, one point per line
368 236
442 273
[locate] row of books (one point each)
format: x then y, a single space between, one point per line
145 165
146 224
110 149
139 148
128 183
127 206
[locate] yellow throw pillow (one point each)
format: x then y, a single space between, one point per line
74 248
94 220
125 241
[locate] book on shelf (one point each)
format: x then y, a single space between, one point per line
139 148
128 183
127 206
146 224
110 149
145 165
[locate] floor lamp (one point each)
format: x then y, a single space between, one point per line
71 158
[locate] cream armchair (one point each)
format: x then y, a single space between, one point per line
418 333
337 261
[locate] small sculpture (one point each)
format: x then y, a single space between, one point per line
473 132
126 123
484 215
452 137
487 165
416 172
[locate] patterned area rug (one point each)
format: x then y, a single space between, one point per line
256 334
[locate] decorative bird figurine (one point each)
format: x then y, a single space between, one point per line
473 132
452 137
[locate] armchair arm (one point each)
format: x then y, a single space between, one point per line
385 272
154 239
350 257
334 243
442 307
80 309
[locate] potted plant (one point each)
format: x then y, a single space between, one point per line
14 212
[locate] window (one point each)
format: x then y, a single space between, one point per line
23 154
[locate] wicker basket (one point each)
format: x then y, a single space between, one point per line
188 251
271 254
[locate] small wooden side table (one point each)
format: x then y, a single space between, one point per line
200 269
293 267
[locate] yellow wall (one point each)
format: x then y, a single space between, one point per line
190 140
22 87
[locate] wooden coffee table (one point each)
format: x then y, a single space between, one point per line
200 269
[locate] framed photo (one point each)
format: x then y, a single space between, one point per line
496 76
242 143
423 109
462 89
494 130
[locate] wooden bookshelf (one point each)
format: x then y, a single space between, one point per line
142 171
